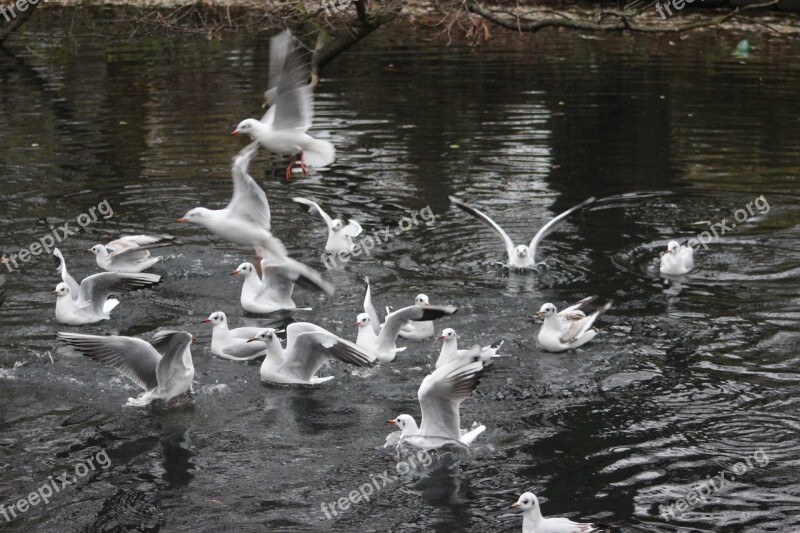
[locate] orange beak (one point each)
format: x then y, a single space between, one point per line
235 132
392 422
182 219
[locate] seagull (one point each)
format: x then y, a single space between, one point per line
129 254
89 302
308 347
233 343
440 397
450 352
162 378
678 260
282 130
520 256
246 220
340 237
418 330
269 293
568 329
534 522
382 342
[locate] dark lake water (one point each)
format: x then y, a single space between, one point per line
685 381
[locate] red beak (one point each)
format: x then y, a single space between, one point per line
441 337
392 422
206 321
539 314
88 249
251 339
513 505
235 132
234 273
182 219
356 324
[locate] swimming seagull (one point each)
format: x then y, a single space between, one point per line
418 330
534 522
130 253
440 397
520 256
340 237
308 347
89 302
282 129
451 354
163 367
269 293
246 220
568 329
233 343
678 260
382 342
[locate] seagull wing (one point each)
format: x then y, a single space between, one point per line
352 229
171 344
440 397
95 290
133 358
74 288
396 321
547 227
480 215
249 201
315 208
309 347
374 319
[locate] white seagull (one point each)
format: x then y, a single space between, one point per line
162 378
678 260
570 328
130 253
440 397
269 293
450 353
520 256
88 302
308 347
418 330
246 220
340 237
282 130
233 343
382 342
534 522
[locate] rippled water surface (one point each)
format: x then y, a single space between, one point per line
687 379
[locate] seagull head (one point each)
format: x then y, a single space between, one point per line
196 215
244 268
546 310
448 335
61 290
406 423
98 249
267 335
673 246
422 300
247 126
521 250
336 224
362 320
216 318
526 502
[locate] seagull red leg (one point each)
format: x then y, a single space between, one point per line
289 168
303 163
